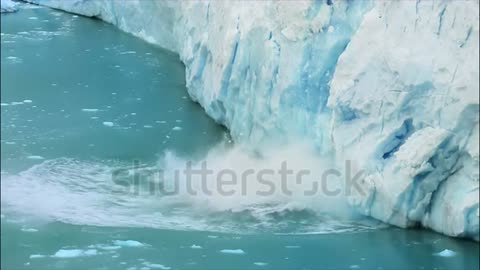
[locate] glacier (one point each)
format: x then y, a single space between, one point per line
7 6
391 85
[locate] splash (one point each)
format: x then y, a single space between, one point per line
90 193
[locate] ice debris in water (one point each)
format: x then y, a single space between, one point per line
36 256
176 128
195 246
105 247
27 101
233 251
260 263
108 124
156 265
35 157
128 243
446 253
89 110
29 230
72 253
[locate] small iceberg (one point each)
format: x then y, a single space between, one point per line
108 124
445 253
195 246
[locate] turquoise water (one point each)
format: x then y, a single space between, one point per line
81 99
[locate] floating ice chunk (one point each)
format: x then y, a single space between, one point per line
27 101
94 117
72 253
161 122
89 110
105 247
331 28
32 18
354 266
176 128
147 126
29 230
156 265
446 253
68 253
212 236
292 246
195 246
36 256
108 124
128 243
233 251
35 157
90 252
4 104
133 113
260 263
16 103
129 52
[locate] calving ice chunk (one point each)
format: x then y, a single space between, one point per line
391 85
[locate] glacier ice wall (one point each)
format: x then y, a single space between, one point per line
7 6
390 85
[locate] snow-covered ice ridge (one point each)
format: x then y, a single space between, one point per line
392 85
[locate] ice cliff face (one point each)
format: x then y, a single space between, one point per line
392 85
7 6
